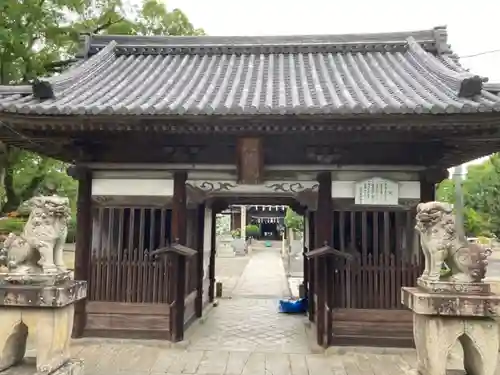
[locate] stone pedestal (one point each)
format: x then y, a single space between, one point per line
240 247
46 312
440 319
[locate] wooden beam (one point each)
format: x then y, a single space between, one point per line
83 243
250 161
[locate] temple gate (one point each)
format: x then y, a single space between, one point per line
352 131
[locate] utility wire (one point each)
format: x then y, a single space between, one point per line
480 54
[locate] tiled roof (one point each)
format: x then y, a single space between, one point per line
298 75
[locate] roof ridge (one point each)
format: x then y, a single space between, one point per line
433 40
465 83
68 77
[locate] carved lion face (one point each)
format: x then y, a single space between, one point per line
50 205
431 213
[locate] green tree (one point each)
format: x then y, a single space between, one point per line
445 191
294 221
38 38
481 190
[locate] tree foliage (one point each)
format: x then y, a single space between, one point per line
294 221
39 38
481 191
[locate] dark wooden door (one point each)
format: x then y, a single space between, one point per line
366 291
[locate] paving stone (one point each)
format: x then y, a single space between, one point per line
228 271
236 362
298 364
256 365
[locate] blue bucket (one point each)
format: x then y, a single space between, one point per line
295 306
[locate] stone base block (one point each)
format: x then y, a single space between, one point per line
55 278
42 295
454 287
435 337
50 330
450 304
27 367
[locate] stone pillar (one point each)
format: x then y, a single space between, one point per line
243 221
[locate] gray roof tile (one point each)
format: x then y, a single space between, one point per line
350 74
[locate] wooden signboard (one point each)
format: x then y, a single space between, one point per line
377 191
250 161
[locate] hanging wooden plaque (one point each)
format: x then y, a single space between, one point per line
250 161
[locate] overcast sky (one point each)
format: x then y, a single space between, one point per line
472 25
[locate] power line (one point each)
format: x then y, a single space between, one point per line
480 53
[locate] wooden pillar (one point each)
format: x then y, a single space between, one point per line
83 241
306 248
310 266
213 251
179 208
323 266
179 232
324 215
200 230
427 191
428 180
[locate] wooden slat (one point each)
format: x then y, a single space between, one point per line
372 280
121 268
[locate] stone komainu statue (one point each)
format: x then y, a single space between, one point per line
39 248
440 243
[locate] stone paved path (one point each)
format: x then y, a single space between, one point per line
155 358
264 276
250 320
244 335
228 270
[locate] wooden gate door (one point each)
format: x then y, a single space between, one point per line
128 291
366 292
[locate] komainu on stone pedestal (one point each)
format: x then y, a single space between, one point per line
37 293
39 250
456 306
440 244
